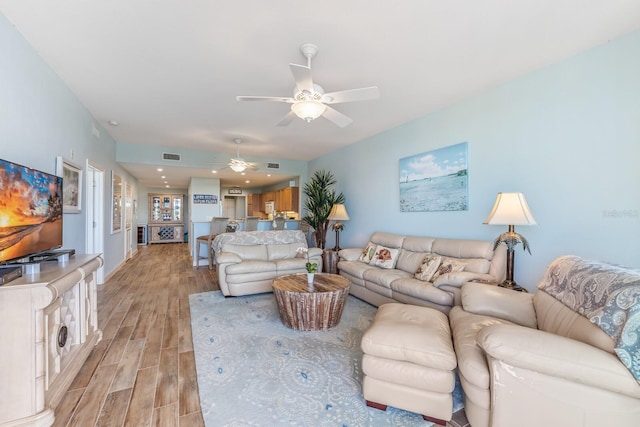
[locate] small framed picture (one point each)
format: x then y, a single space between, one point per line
71 185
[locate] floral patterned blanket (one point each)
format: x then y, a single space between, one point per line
606 294
259 238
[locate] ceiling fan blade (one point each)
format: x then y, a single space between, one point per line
336 117
361 94
286 120
302 76
265 98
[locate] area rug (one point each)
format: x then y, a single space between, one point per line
254 371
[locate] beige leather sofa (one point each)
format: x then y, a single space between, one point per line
247 262
529 360
378 285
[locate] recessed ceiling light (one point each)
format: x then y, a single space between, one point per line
163 177
214 171
268 174
247 181
242 173
167 186
166 182
113 123
159 169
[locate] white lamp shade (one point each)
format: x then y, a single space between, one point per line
308 110
338 213
510 209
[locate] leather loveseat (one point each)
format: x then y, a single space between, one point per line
544 359
394 279
247 262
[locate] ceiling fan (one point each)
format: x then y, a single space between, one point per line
309 100
238 164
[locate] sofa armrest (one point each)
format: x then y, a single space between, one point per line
556 356
227 258
350 254
494 301
315 252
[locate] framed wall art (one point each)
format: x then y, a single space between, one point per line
436 180
116 202
71 185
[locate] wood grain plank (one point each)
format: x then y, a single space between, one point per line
111 328
166 416
90 365
167 386
67 406
189 399
151 352
185 339
170 336
117 347
128 366
193 419
90 405
141 404
114 409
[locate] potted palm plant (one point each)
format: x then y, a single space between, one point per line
320 198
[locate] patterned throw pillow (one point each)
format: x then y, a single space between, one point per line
368 252
449 265
428 267
385 257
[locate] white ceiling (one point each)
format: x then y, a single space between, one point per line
169 71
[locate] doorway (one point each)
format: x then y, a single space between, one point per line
234 207
95 214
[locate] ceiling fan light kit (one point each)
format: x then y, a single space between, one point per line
309 100
238 164
308 110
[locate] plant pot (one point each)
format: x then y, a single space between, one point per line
310 277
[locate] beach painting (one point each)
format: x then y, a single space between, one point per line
436 180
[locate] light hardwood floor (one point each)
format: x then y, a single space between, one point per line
143 371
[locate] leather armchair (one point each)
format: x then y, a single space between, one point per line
528 360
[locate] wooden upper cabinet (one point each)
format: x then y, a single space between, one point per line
287 199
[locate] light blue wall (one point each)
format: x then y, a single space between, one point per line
40 118
568 136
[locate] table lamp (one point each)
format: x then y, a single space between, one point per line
338 213
510 209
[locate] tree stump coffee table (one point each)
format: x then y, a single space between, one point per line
315 308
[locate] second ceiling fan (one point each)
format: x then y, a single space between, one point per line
309 100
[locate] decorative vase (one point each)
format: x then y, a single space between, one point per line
310 278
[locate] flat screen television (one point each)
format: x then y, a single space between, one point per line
30 211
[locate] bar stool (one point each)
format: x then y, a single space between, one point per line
218 226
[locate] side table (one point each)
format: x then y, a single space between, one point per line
330 261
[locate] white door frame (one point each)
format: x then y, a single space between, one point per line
95 213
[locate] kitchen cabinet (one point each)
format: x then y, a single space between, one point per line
254 204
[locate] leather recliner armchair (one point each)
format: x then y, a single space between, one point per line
528 360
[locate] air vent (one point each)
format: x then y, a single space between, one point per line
170 156
273 165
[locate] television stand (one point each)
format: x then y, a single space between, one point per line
49 327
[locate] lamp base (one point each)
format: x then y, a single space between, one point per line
511 284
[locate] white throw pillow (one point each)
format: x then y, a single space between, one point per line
428 267
449 265
385 257
368 253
